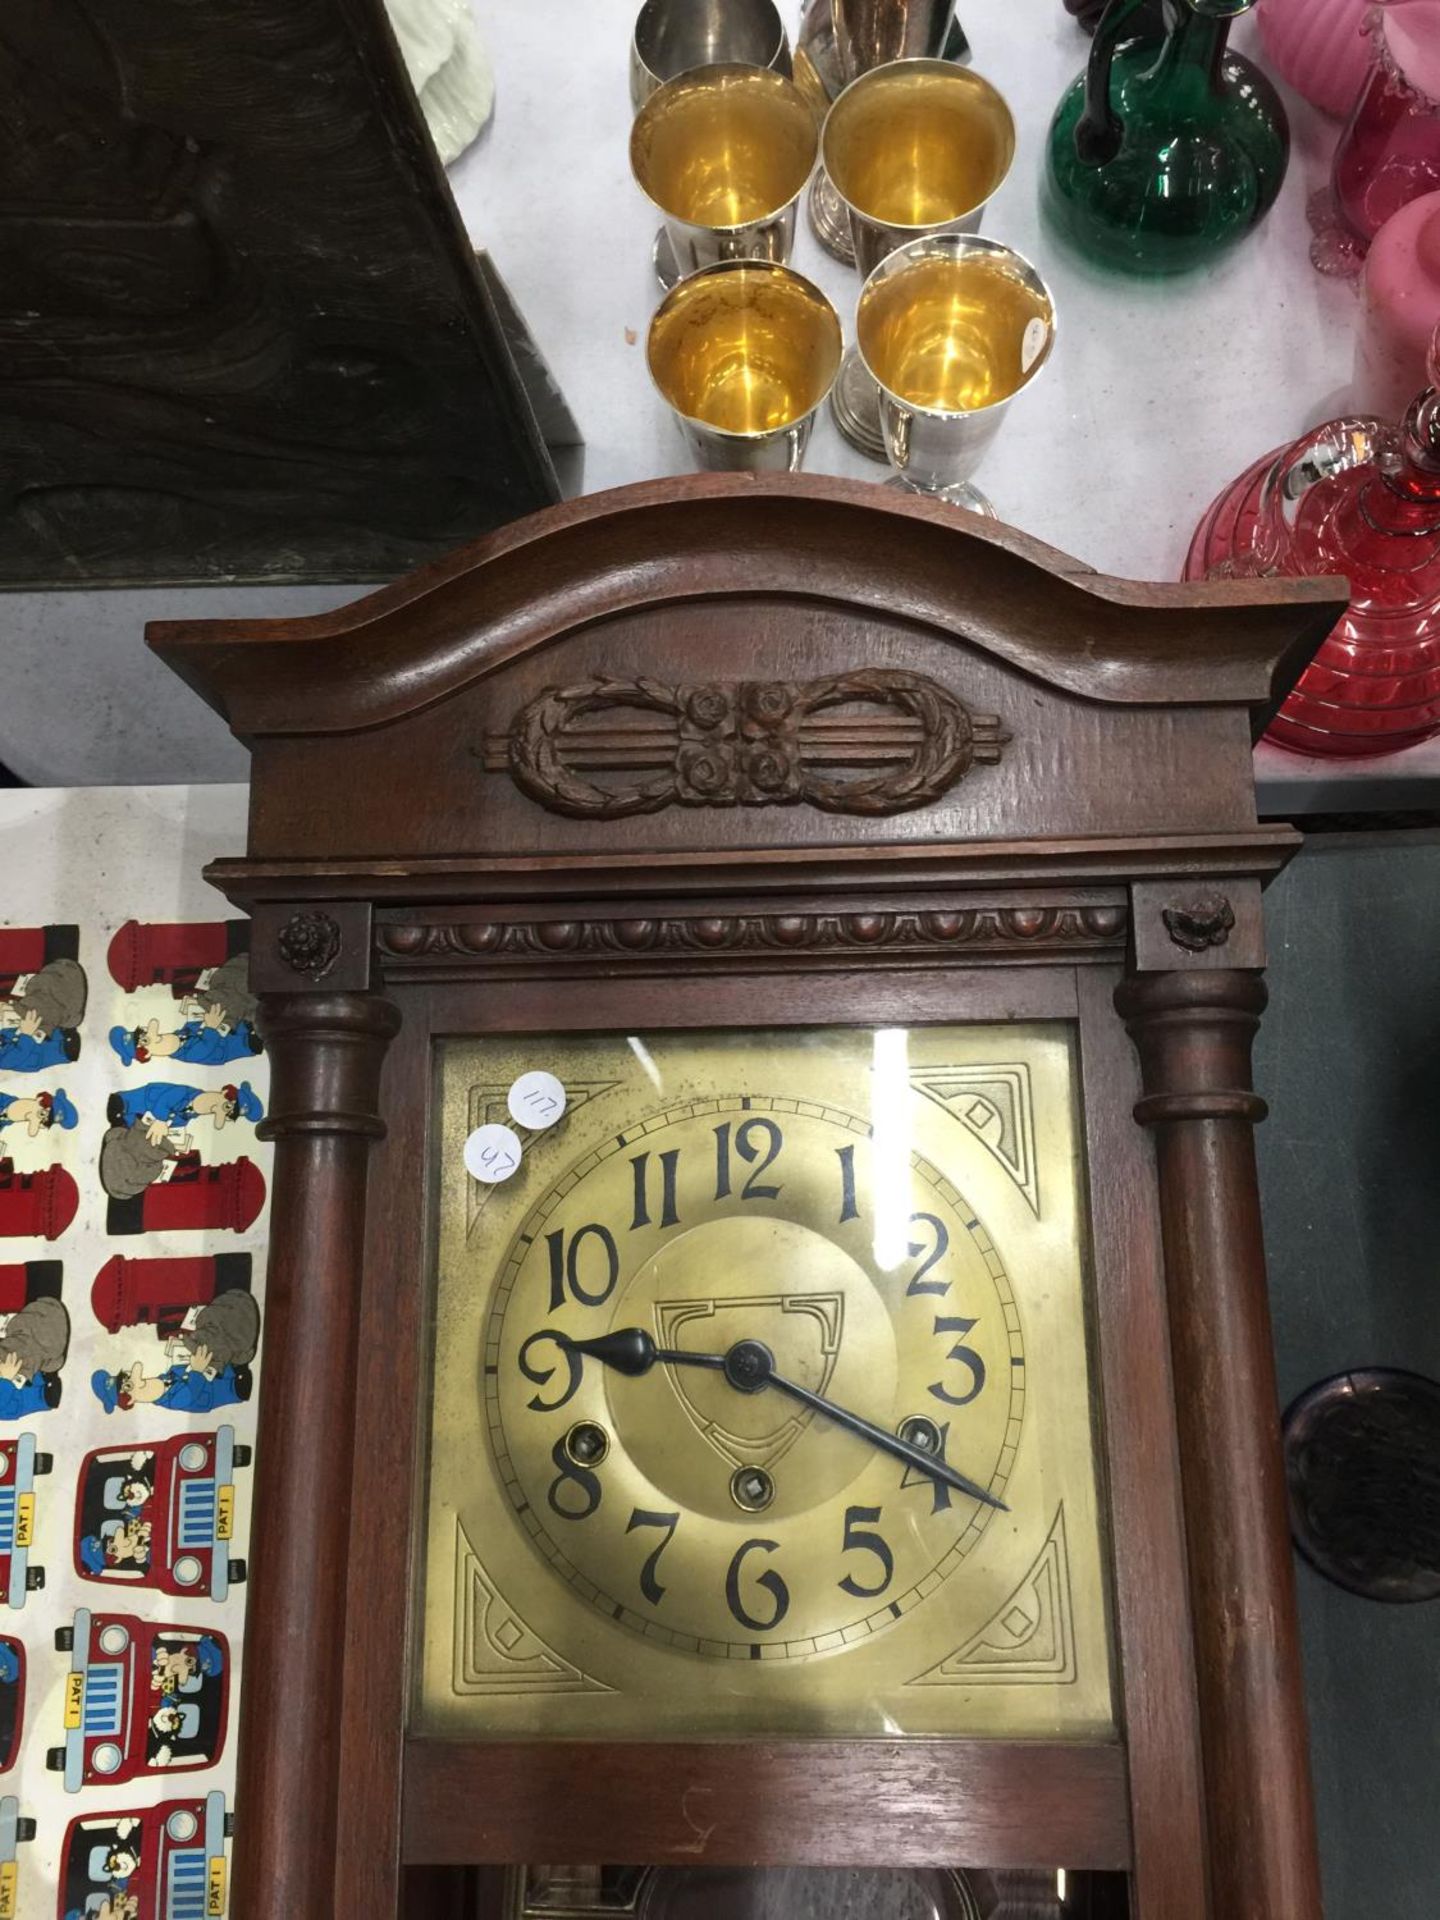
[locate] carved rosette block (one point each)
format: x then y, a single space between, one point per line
309 943
1205 921
752 743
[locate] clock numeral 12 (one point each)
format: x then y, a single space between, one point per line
747 1136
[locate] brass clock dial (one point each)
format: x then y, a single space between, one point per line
834 1209
672 1225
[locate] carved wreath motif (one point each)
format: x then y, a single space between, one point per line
309 943
752 743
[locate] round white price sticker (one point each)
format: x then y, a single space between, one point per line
492 1153
536 1100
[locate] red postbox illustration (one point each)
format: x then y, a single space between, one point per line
39 1205
174 954
20 1464
161 1515
12 1699
193 1196
149 1863
22 1281
139 1698
163 1293
27 949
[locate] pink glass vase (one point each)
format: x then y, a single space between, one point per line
1357 497
1318 47
1399 310
1389 153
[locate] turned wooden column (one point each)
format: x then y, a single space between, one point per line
326 1051
1194 1031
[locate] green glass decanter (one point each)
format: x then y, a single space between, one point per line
1161 156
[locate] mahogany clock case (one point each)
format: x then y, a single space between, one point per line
725 753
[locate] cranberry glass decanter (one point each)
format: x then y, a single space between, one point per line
1359 497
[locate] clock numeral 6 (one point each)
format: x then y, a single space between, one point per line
859 1539
582 1477
542 1375
565 1266
769 1580
649 1585
967 1357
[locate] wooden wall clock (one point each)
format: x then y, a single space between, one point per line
846 1436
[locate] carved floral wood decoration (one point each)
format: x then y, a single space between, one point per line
749 743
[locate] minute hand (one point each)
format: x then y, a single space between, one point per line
748 1366
879 1437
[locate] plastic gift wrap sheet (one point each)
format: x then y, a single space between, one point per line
133 1194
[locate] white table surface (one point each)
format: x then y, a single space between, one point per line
1157 393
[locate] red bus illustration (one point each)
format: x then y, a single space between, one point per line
12 1830
148 953
155 1863
12 1699
20 1462
38 1205
160 1293
161 1515
139 1698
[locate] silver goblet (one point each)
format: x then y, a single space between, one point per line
673 36
952 327
724 153
744 354
916 147
840 40
872 33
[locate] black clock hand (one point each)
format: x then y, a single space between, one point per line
632 1351
748 1366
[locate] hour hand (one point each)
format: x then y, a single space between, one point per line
631 1350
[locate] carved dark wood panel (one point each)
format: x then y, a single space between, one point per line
753 743
242 333
667 943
